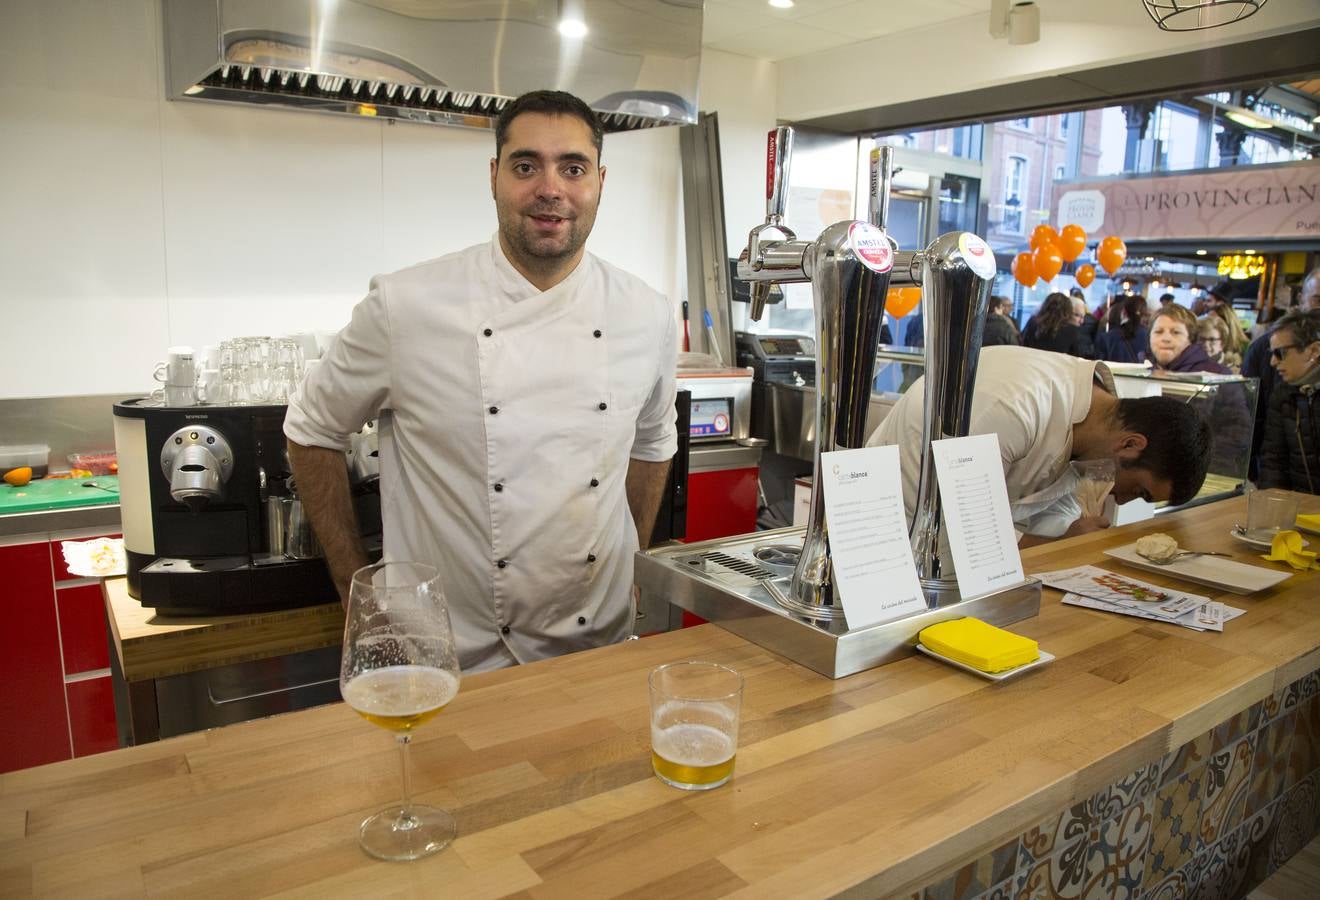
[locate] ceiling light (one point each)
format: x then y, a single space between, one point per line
1200 253
573 28
572 23
1194 15
1249 119
782 4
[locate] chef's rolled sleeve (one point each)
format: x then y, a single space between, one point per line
656 438
349 385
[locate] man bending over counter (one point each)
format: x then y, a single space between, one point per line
1049 409
526 398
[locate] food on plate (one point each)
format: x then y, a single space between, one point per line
1158 547
19 477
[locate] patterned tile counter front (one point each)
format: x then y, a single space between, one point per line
1210 820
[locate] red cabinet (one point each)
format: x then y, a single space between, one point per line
31 675
55 690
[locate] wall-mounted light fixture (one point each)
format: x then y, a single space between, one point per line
1018 21
1194 15
1241 265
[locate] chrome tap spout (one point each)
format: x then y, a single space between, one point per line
958 271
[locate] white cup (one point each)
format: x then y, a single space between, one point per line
175 395
306 342
179 368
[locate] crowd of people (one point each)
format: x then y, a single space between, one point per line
1207 337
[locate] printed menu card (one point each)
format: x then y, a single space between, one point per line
872 556
977 515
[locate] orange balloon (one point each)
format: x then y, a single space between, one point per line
902 300
1111 253
1043 234
1047 261
1071 243
1085 274
1024 270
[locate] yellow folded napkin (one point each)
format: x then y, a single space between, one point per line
979 645
1287 547
1309 522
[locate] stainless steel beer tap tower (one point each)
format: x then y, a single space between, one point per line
745 583
849 268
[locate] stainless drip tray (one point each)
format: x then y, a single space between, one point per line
725 581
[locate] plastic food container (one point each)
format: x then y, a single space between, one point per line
13 456
93 462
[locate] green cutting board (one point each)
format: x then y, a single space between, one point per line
57 493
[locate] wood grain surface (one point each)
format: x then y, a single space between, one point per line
150 645
868 785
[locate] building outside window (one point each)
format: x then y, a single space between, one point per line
1015 180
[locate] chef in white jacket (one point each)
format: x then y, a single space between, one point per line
525 397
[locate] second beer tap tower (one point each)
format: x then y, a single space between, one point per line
850 267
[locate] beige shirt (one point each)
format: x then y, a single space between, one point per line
504 454
1031 399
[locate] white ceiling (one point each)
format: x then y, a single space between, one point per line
756 29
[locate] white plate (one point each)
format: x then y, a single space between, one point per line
1254 542
991 676
1214 571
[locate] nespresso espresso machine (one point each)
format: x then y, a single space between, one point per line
212 523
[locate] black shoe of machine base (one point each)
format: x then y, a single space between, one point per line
210 518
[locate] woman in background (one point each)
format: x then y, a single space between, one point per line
1056 327
1290 453
1223 406
1214 337
1237 335
1127 339
1171 346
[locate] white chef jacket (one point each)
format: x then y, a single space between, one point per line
507 419
1031 399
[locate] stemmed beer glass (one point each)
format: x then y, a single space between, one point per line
399 669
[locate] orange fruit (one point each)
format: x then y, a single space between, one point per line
19 477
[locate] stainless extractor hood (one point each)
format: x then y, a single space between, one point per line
447 62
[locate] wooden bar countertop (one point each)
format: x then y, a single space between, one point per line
150 645
870 784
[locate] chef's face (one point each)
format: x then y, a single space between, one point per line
546 183
1168 338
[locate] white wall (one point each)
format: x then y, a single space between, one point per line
742 92
959 55
129 223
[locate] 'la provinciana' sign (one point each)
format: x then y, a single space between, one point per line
1241 202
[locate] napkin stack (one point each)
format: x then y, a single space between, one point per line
1287 548
979 644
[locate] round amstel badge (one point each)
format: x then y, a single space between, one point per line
980 258
871 246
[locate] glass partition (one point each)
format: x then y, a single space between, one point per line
1226 402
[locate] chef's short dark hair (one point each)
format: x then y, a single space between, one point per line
554 103
1178 442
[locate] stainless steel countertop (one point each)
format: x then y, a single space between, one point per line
54 520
